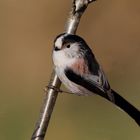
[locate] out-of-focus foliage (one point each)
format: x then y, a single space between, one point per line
27 30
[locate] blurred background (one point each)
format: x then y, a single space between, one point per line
27 30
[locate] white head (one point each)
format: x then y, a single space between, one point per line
67 48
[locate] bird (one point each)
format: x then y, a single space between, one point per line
76 66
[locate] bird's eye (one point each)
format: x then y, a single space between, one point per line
68 46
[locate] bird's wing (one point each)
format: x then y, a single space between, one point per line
98 77
84 82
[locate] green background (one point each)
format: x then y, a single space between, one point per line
27 30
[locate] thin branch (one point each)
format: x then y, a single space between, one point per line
77 11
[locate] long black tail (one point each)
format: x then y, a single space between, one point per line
118 100
127 107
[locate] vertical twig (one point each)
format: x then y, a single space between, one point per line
77 11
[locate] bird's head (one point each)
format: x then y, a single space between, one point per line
67 48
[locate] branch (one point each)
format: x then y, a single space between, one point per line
78 8
77 11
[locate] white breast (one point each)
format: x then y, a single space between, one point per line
61 60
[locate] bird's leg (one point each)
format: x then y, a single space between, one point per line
55 89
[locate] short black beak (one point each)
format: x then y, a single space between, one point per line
56 49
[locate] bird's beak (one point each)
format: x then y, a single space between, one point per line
56 49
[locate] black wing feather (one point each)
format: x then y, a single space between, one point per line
72 76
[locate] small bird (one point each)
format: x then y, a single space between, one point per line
77 68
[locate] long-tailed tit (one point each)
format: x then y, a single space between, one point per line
79 71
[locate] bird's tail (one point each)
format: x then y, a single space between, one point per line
127 107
